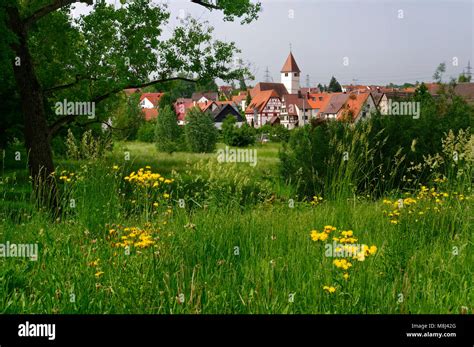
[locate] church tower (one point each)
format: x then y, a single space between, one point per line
290 75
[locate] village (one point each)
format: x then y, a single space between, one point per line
290 105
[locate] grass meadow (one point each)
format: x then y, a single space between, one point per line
227 238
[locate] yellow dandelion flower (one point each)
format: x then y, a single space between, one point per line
373 249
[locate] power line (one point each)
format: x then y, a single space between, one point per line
267 75
469 68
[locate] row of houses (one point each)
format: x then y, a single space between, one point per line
205 101
293 110
288 104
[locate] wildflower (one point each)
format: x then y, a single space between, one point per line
99 273
373 249
115 167
342 264
166 196
361 256
155 204
94 263
346 276
329 289
315 236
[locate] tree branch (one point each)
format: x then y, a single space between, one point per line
43 11
56 126
68 85
103 122
205 4
143 85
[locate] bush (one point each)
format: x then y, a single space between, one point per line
146 132
278 133
200 132
168 132
238 137
381 154
90 147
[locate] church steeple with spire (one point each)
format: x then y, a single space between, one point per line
290 75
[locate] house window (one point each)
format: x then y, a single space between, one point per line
286 74
296 74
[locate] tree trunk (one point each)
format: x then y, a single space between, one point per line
36 131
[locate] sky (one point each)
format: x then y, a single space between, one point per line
357 41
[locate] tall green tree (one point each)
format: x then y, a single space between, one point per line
438 74
168 132
242 85
53 56
334 85
200 132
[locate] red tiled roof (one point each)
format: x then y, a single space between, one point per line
335 103
149 113
465 90
353 106
264 86
239 98
260 101
154 98
290 65
319 100
296 101
204 106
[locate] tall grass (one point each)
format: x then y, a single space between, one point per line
219 258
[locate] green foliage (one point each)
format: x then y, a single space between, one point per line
464 78
90 147
438 74
127 118
167 133
200 132
94 57
334 86
275 133
232 207
279 133
383 153
146 132
237 136
166 100
221 186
